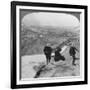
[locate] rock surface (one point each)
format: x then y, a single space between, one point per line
37 68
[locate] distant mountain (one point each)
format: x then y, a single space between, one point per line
33 42
69 34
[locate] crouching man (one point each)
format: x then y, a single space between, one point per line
58 55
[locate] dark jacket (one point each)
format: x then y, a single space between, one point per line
47 50
72 50
58 56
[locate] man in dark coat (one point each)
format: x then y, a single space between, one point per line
58 56
47 52
72 53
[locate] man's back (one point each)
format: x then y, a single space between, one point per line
47 50
72 50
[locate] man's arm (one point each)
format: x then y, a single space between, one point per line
76 49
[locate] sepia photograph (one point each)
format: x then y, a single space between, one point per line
49 44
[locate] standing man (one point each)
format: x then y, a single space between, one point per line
47 52
72 53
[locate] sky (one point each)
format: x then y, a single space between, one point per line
66 20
